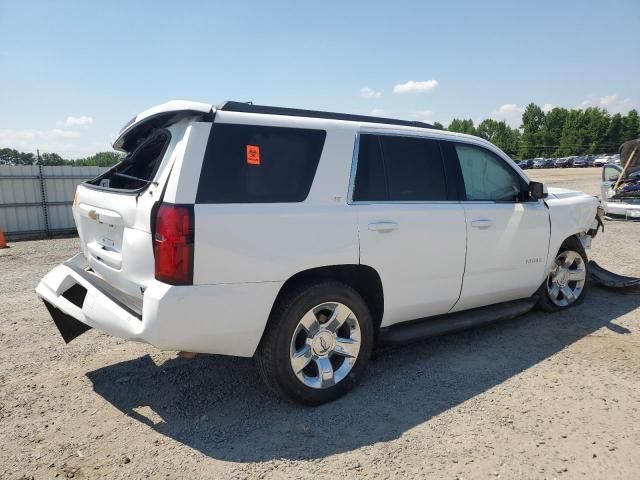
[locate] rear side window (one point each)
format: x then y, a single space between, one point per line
370 182
258 164
396 168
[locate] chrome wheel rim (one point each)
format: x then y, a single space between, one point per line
325 345
566 279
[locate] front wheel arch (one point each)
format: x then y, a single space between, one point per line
545 303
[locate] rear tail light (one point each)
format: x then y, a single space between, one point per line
173 244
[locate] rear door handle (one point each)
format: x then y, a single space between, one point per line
383 226
482 224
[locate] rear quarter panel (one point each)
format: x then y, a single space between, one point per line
270 242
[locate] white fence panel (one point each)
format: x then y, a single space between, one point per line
35 201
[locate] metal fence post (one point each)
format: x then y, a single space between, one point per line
43 192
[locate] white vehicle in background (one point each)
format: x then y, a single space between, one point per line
600 161
302 238
623 204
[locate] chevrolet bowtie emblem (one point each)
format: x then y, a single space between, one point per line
93 215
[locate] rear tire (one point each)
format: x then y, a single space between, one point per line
317 343
568 281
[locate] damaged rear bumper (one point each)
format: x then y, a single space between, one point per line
79 300
225 319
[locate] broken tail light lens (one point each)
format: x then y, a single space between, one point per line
173 244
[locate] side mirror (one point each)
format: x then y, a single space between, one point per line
537 191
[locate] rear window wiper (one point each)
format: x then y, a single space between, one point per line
131 177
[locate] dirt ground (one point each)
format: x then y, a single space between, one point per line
542 396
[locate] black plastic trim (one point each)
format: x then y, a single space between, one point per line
68 326
298 112
454 322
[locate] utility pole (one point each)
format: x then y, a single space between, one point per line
38 156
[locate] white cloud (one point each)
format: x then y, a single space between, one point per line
613 103
369 92
65 133
72 121
547 107
415 87
378 112
510 113
424 116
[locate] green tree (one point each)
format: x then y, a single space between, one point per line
9 156
101 159
631 126
51 159
499 133
532 122
551 130
438 125
462 126
614 135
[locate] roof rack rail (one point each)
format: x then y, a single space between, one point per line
248 107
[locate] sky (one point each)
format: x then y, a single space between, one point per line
72 73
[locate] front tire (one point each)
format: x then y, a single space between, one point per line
568 281
317 343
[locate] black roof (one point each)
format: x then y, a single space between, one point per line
297 112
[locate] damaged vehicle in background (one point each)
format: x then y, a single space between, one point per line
620 187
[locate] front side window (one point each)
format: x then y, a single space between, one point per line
399 169
259 164
486 177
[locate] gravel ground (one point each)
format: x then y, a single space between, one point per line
542 396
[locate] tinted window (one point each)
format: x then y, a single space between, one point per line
370 183
258 164
414 168
487 177
396 168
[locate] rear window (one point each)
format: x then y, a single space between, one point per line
139 167
259 164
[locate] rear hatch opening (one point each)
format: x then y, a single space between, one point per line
139 167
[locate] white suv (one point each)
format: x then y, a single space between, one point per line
301 238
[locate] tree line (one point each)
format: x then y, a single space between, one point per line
559 132
9 156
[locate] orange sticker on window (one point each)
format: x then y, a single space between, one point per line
253 155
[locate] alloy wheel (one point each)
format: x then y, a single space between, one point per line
566 279
325 345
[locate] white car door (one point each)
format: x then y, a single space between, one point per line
410 230
507 237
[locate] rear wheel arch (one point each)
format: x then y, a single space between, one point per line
362 278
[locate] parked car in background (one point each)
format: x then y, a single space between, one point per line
550 163
539 163
615 159
589 159
562 162
600 161
189 244
526 164
580 162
